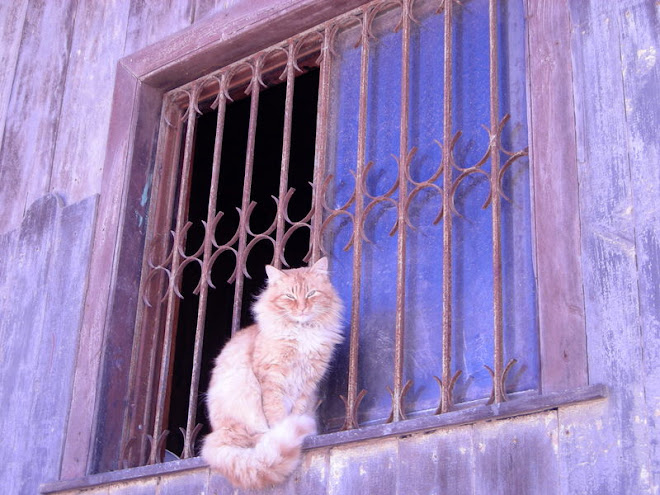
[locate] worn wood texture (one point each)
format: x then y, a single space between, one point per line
38 85
101 275
312 475
437 463
610 211
190 482
640 47
364 468
502 457
39 328
205 8
78 163
586 449
12 18
555 198
142 487
229 36
517 456
151 20
128 245
218 485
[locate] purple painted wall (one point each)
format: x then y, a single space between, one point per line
59 64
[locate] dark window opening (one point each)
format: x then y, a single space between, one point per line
265 186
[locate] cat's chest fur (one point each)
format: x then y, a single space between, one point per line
300 352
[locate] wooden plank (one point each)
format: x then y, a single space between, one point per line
517 456
20 327
437 463
609 263
205 8
228 36
587 448
509 409
219 485
189 482
640 50
125 476
96 491
80 148
42 292
127 262
63 296
39 80
555 198
312 475
144 487
12 17
79 434
150 21
364 468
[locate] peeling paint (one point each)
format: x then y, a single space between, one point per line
646 59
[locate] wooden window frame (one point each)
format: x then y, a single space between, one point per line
106 337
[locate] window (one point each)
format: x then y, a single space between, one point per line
172 143
410 195
425 160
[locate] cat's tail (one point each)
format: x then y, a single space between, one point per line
275 456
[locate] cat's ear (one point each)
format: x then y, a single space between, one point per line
273 274
321 265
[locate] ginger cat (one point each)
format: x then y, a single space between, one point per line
263 390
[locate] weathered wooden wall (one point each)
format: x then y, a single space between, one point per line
617 108
58 64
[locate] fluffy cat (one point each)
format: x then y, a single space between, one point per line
263 390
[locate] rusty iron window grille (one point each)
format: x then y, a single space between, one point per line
379 188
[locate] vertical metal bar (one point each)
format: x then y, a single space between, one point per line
254 91
286 153
191 425
398 393
321 142
353 401
498 392
447 213
172 303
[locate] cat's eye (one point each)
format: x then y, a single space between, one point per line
290 296
311 293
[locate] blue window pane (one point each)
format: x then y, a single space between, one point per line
472 275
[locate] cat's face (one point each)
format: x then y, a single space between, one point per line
301 295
